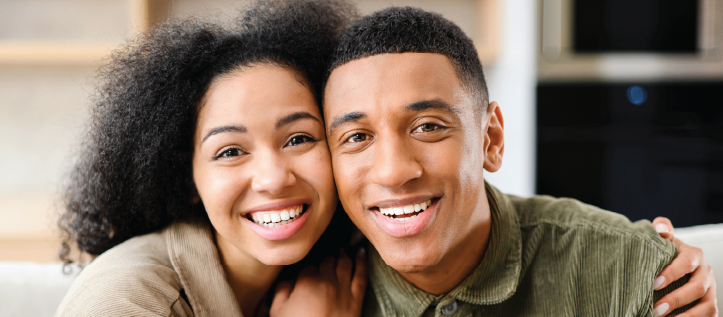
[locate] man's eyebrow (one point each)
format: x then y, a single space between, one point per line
228 128
295 116
344 118
431 104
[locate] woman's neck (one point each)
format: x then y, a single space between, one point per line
249 278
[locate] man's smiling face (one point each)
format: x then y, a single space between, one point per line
403 132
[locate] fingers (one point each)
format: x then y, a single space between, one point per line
308 272
343 269
706 307
664 227
696 288
281 295
326 268
688 260
359 282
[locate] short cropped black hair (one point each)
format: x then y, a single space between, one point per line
134 173
407 29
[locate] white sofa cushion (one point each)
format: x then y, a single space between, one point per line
31 289
710 239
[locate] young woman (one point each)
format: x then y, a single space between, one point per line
207 171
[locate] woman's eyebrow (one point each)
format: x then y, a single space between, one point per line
295 116
228 128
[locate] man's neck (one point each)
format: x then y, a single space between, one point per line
249 278
461 261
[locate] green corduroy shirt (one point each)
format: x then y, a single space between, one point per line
546 257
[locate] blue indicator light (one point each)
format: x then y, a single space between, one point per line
637 95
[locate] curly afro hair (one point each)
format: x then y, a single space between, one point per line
407 29
134 174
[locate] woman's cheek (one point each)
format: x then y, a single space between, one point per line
219 192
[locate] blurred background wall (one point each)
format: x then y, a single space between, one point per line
49 50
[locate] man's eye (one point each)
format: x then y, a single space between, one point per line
300 139
356 138
427 127
229 153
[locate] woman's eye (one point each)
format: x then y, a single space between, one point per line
229 153
427 127
300 139
356 138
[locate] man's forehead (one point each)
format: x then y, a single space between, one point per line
402 77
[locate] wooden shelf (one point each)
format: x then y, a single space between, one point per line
143 14
47 52
488 30
146 13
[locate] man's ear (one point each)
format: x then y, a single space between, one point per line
494 138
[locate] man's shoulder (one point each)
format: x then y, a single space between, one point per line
134 277
575 250
566 215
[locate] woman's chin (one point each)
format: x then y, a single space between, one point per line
281 256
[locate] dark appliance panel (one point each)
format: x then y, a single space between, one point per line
642 150
662 26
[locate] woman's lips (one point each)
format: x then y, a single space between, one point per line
276 228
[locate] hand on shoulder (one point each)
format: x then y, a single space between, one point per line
700 286
332 289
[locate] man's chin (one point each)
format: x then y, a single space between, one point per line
410 269
410 263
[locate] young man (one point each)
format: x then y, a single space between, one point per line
410 131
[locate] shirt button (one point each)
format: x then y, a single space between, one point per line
449 309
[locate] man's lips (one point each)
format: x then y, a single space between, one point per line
405 224
405 216
401 201
406 212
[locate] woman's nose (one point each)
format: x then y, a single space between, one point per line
271 173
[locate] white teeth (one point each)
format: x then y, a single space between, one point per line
405 210
275 217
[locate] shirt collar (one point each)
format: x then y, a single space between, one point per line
493 281
196 261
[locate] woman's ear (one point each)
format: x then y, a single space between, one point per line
195 197
494 138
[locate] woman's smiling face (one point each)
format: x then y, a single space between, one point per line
261 164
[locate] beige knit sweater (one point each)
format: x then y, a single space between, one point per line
147 275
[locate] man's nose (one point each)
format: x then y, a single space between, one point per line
393 164
271 173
